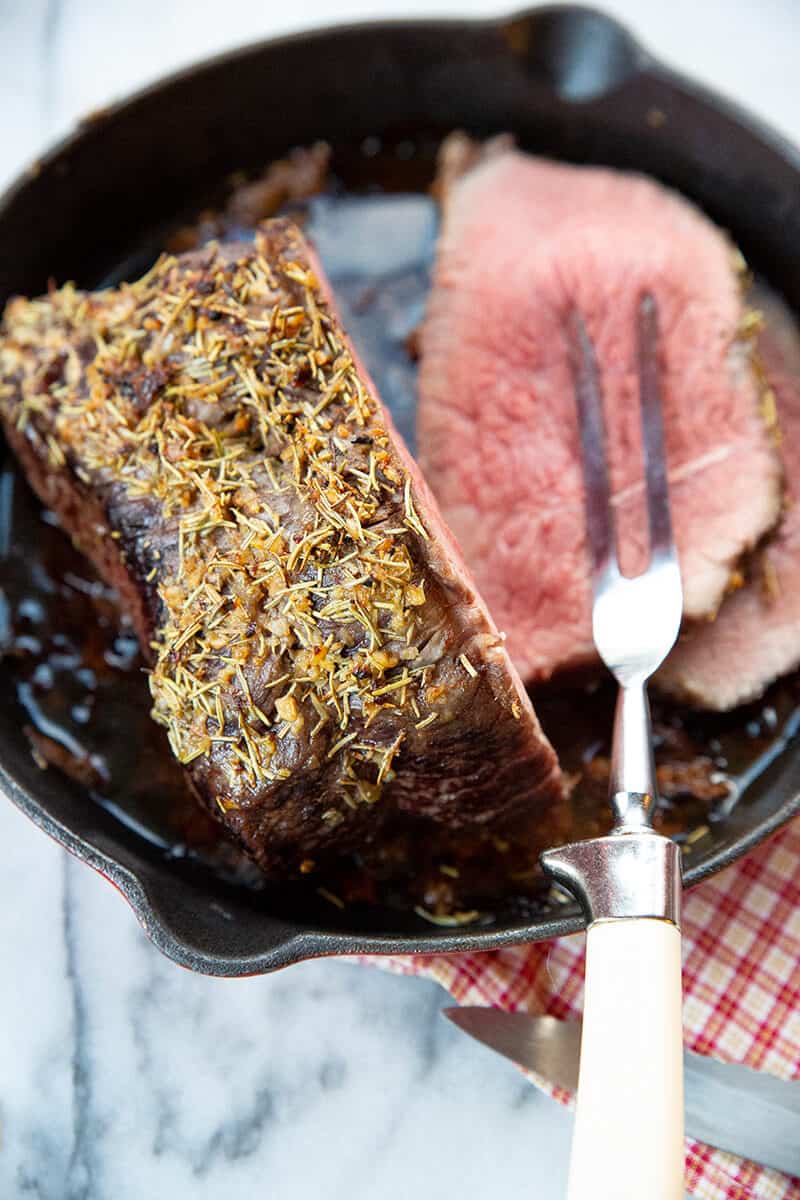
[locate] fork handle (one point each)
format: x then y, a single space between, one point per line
628 1138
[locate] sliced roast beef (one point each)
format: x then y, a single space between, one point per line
318 651
524 242
756 636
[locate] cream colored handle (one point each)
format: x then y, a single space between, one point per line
628 1139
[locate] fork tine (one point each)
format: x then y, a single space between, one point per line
589 402
655 473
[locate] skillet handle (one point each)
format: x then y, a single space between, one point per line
628 1138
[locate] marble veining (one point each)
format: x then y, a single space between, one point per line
122 1075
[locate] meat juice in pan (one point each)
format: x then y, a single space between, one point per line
78 674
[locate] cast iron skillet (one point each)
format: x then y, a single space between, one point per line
568 82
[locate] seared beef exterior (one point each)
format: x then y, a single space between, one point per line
524 242
318 653
756 636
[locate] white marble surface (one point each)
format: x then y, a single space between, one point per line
123 1076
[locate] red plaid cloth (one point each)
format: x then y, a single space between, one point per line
741 979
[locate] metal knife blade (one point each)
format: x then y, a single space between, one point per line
729 1106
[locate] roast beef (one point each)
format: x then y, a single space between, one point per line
756 636
524 242
318 652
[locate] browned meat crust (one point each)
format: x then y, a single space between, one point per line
318 653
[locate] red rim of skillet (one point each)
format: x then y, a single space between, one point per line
570 82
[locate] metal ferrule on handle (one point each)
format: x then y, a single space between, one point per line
624 875
634 872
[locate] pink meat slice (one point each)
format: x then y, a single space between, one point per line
524 242
756 636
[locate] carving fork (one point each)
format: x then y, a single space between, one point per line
628 1139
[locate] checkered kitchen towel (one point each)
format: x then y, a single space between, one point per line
741 978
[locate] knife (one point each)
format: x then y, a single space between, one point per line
732 1107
